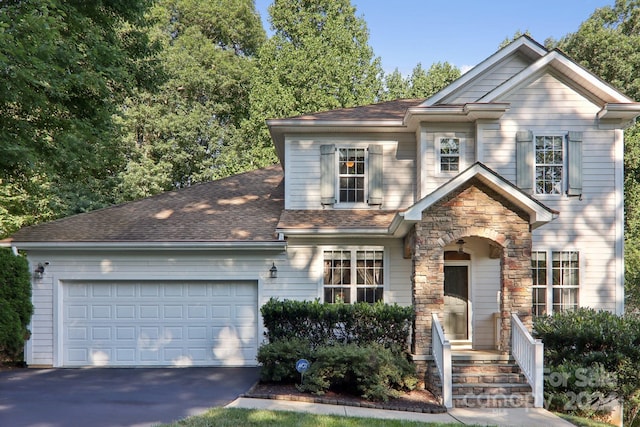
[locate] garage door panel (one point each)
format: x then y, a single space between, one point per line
147 290
101 291
125 311
101 312
77 312
125 290
190 324
125 333
197 291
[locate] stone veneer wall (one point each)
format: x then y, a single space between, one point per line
473 210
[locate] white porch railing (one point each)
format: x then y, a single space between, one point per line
441 349
528 352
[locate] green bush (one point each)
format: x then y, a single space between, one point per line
371 371
592 357
328 324
11 338
15 304
278 360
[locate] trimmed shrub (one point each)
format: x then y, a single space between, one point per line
11 332
15 304
328 324
592 357
278 360
371 371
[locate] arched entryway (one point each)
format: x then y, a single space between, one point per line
497 236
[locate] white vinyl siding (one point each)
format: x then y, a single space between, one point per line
303 171
500 73
590 223
430 175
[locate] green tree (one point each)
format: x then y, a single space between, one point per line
608 44
317 59
421 83
424 84
395 86
15 303
179 132
66 67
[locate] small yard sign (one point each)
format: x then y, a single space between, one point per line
302 366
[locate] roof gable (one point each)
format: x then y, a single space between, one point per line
538 213
524 45
540 61
569 72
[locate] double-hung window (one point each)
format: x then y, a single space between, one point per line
549 163
556 284
351 175
351 170
353 275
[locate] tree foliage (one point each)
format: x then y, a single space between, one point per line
421 83
180 131
608 44
66 67
317 59
15 303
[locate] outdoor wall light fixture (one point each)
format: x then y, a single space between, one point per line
39 271
460 244
273 271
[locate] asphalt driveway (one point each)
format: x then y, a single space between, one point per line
115 397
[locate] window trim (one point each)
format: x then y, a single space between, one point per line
565 165
549 286
354 286
365 176
462 143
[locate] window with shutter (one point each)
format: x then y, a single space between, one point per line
574 162
524 161
549 163
351 175
327 174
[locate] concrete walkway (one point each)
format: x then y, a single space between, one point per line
484 416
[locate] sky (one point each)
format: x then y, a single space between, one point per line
404 33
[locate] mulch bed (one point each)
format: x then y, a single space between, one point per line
413 401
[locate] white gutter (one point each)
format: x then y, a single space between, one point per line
333 123
97 246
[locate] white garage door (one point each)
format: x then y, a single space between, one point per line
159 324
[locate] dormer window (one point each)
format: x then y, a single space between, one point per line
351 176
351 181
449 154
449 149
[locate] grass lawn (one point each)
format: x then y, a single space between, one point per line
582 422
233 417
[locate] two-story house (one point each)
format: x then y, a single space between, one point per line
501 194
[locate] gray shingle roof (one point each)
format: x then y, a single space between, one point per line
336 219
244 207
390 110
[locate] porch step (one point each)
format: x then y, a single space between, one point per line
488 381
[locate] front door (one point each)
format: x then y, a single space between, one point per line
456 302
